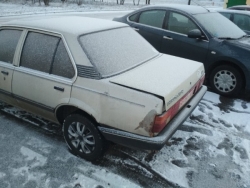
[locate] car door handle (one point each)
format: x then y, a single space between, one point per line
136 29
168 38
5 72
59 88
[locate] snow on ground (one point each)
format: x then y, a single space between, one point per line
211 149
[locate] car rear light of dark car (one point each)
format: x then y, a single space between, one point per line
162 120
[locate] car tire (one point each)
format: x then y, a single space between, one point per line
226 80
83 138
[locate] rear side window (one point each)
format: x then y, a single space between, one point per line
8 43
47 54
62 65
153 18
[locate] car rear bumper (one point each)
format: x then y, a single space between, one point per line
157 142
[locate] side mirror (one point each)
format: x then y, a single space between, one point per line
195 33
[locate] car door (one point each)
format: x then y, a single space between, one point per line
176 42
9 39
45 74
242 21
149 25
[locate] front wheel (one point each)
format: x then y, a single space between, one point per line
83 138
226 80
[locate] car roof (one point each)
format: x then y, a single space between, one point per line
234 11
65 24
190 9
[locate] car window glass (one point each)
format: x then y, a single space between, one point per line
133 17
227 15
62 65
242 21
180 23
8 42
116 50
38 51
153 18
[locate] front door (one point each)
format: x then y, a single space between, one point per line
44 77
176 42
8 42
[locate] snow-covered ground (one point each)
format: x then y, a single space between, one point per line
211 149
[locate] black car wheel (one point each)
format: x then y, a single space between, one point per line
83 138
226 80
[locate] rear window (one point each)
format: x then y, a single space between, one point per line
117 50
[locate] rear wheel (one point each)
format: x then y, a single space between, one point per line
83 138
226 80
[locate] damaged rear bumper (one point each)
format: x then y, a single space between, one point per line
157 142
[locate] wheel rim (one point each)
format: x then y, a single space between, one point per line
81 137
225 81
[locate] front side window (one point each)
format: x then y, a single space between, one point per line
153 18
116 50
133 18
179 23
242 21
8 43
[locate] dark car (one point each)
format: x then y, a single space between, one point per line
240 7
199 34
240 18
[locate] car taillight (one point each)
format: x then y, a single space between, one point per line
162 120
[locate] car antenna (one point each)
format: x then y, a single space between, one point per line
200 5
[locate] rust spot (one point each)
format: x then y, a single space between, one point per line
147 122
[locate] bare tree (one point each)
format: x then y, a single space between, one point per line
46 2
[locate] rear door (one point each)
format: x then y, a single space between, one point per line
149 24
176 42
9 39
45 75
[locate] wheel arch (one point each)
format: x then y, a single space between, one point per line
66 109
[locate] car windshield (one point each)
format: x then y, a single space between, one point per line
117 50
219 26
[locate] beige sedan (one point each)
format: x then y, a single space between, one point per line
99 79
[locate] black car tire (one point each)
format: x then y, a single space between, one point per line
226 80
83 138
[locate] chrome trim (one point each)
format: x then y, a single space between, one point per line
44 75
106 94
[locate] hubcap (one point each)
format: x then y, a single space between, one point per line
81 137
225 81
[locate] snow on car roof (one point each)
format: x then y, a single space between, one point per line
66 24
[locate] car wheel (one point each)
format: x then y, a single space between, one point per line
83 138
226 80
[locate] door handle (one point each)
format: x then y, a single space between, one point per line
136 29
168 38
59 88
5 72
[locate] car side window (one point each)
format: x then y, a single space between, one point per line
62 65
133 18
242 21
179 23
227 15
8 43
153 18
38 51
